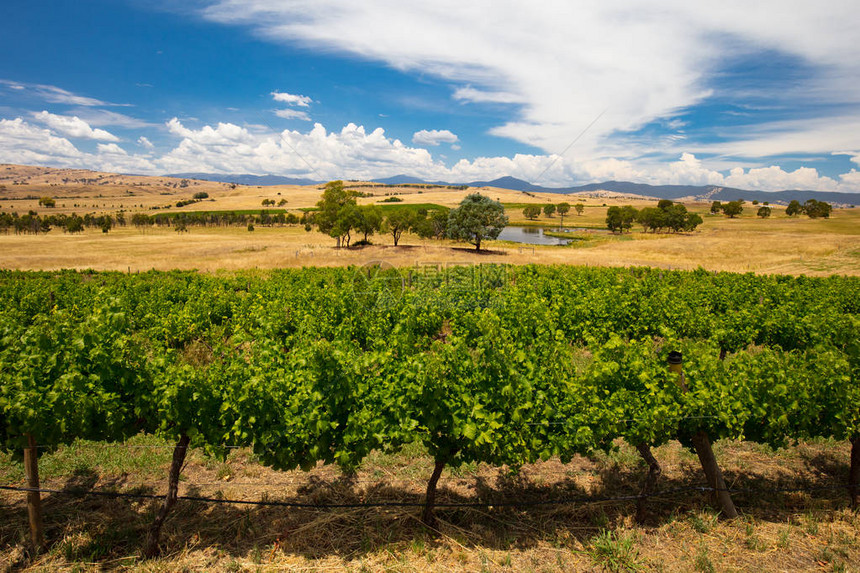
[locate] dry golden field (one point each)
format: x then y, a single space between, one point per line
746 244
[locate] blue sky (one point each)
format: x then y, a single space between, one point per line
759 96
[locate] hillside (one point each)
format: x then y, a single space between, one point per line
604 189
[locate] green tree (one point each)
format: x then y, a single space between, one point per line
333 211
716 207
763 212
814 209
563 209
369 220
531 212
620 218
398 221
676 217
476 219
48 202
732 209
74 224
613 219
693 220
431 224
794 208
548 210
579 208
348 218
628 215
651 218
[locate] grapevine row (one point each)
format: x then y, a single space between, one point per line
479 364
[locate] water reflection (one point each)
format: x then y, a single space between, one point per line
530 236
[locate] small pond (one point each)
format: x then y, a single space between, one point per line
530 236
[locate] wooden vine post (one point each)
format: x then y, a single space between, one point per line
702 444
34 500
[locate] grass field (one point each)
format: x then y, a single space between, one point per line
780 245
777 531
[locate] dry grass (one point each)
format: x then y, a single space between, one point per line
807 247
777 532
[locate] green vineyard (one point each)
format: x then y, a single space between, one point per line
492 364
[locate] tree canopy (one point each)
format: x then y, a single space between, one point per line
476 219
732 209
337 212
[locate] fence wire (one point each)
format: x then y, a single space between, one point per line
573 500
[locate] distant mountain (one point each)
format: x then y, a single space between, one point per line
514 184
246 179
715 193
697 192
400 180
661 191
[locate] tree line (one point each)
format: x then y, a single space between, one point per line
812 208
666 216
338 215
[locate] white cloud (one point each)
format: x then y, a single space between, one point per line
73 126
144 142
291 99
854 155
110 149
21 142
434 137
566 62
102 117
820 136
351 153
224 134
292 114
27 144
470 94
356 153
53 94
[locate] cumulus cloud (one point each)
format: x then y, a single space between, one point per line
354 152
73 126
434 137
291 99
292 114
224 134
111 149
350 153
21 142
